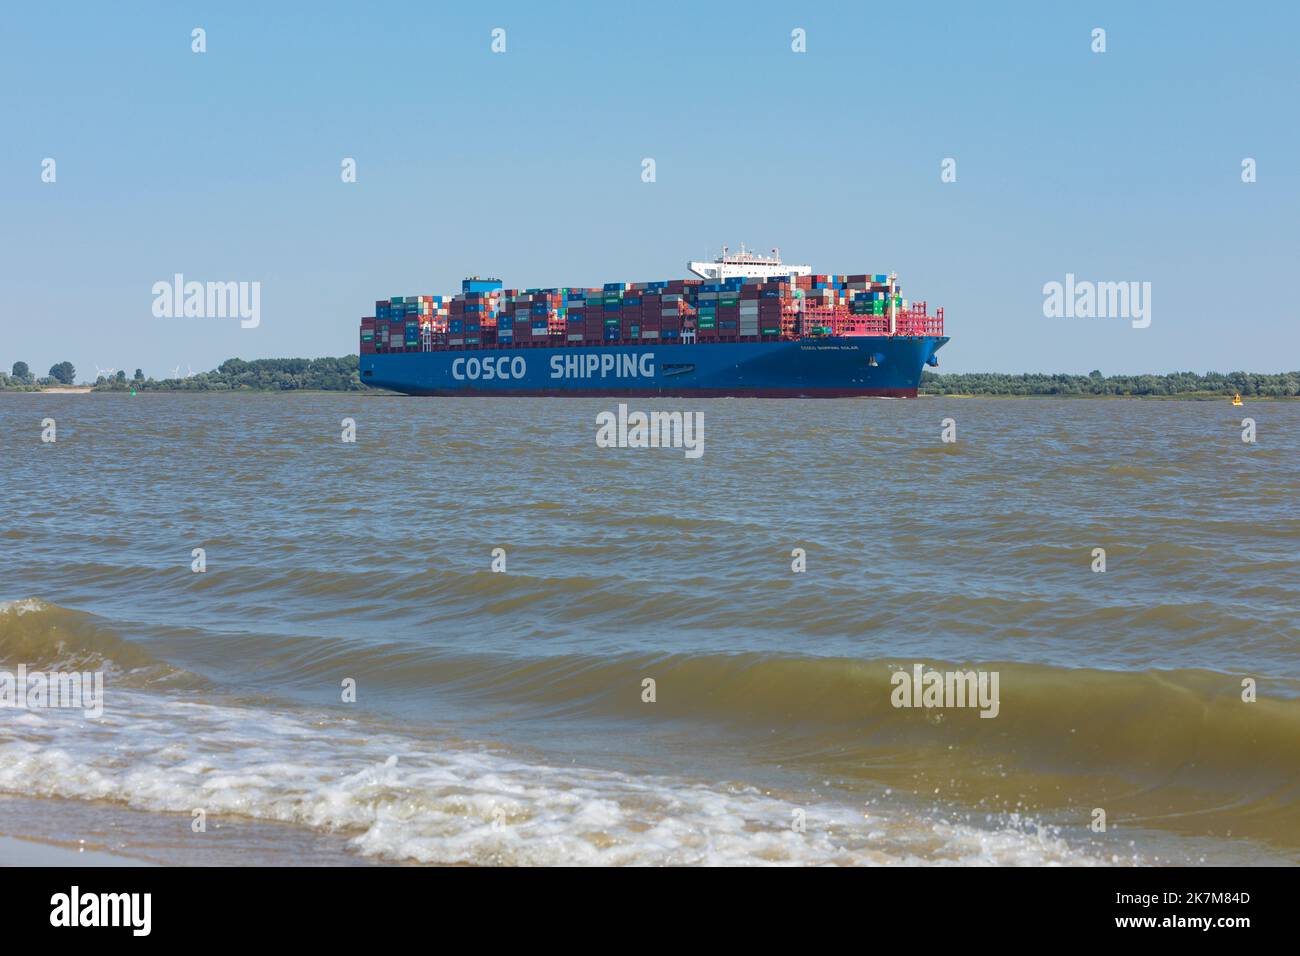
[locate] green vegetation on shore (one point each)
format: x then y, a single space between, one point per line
341 375
1096 385
259 375
21 379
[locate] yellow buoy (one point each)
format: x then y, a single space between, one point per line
1236 399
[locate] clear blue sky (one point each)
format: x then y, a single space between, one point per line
527 165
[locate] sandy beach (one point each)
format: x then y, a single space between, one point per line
57 832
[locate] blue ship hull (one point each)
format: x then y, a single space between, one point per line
827 367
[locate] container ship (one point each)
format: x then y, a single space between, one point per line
745 325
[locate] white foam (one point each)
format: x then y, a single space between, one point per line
22 606
410 798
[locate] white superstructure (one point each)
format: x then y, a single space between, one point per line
730 265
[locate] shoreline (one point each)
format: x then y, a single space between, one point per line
1190 397
60 831
386 393
29 851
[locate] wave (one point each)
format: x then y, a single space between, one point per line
52 638
1178 749
408 797
1044 711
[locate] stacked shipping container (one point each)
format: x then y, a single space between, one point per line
485 315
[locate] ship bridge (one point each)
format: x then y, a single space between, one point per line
745 264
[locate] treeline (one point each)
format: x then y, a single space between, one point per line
341 375
262 375
1188 384
21 378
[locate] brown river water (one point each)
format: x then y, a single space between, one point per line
648 680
